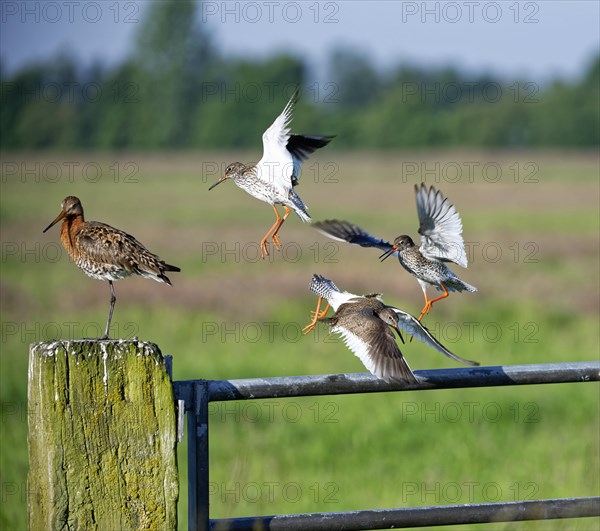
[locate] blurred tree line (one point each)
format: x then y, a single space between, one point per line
177 91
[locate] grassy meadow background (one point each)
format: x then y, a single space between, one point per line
533 240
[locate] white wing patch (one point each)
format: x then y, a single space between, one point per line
277 164
384 367
341 297
359 348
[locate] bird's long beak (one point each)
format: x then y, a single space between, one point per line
58 218
398 332
388 253
224 178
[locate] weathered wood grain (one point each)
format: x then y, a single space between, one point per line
102 436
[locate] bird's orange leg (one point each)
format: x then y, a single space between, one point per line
429 303
263 243
317 314
275 237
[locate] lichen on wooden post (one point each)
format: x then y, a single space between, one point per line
102 436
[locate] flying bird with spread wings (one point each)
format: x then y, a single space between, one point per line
366 323
440 228
275 176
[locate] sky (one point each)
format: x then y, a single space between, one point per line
535 41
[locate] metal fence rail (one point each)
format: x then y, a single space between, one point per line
197 394
417 516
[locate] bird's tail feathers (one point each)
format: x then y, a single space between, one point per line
394 370
469 288
169 267
154 269
323 287
299 207
456 284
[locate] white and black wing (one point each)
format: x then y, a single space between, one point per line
411 325
300 147
440 227
345 231
283 152
277 162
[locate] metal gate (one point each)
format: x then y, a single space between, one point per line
195 395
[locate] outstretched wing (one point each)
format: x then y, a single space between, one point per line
283 152
372 341
301 146
277 163
388 364
413 326
348 232
440 227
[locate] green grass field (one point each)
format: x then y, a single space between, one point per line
531 223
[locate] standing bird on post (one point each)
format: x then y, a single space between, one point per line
105 253
274 177
441 242
364 323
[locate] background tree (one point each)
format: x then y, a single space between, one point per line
176 92
172 58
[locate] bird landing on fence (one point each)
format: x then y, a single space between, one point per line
275 176
440 228
105 253
365 324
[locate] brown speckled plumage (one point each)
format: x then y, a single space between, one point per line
364 323
105 253
440 228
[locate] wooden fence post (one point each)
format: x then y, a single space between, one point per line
102 436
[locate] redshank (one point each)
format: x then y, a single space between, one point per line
274 177
105 253
364 321
441 242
